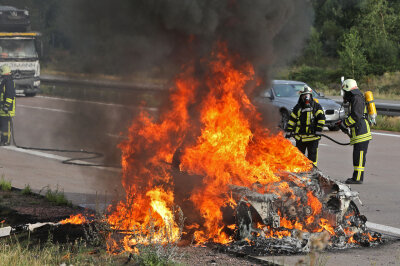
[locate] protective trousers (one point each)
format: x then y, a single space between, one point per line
5 129
359 159
312 149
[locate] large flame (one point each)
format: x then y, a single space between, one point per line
219 136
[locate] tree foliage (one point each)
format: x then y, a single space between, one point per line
363 34
352 58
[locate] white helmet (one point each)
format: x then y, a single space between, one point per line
349 84
306 90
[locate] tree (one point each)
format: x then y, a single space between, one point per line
313 51
352 59
378 31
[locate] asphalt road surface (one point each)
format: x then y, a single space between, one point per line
70 124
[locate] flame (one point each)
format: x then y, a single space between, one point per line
75 219
217 132
325 225
314 203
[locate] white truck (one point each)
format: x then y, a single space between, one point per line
18 51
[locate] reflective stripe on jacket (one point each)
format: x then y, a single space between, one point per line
7 95
303 121
356 121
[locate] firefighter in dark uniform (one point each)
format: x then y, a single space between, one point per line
358 125
7 104
306 123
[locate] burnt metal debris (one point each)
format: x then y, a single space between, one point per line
259 216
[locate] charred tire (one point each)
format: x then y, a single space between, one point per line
284 119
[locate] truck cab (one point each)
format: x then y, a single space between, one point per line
18 51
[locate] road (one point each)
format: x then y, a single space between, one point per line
71 124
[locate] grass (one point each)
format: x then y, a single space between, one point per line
57 197
92 250
5 185
27 190
14 253
389 123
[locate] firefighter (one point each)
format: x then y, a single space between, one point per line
7 104
306 123
358 125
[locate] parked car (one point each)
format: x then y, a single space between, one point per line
284 94
13 19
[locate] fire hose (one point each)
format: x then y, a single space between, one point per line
72 161
323 135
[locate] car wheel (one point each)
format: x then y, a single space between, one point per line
284 119
333 128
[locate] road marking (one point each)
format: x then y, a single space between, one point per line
43 108
385 134
153 109
383 228
57 157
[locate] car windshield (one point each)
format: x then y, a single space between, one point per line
290 90
17 48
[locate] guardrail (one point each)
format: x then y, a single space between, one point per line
391 109
54 80
388 109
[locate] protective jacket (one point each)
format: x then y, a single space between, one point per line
305 120
357 119
7 95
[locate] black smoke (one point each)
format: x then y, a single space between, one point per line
140 35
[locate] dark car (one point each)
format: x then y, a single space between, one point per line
13 19
284 94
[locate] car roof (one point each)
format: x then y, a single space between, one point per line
9 8
278 81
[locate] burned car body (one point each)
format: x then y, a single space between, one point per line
272 223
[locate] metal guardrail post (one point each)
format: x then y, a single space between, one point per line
391 109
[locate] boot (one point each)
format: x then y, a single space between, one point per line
352 181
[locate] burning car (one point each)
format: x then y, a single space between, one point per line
234 180
284 94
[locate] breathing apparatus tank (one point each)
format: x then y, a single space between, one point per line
369 98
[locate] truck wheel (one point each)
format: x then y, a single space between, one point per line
30 94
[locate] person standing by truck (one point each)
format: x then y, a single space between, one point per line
7 104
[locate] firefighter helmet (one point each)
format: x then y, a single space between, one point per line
349 84
5 70
306 90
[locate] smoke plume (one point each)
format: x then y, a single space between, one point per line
140 35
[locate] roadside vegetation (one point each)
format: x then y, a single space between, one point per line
388 123
14 253
57 197
5 185
26 190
